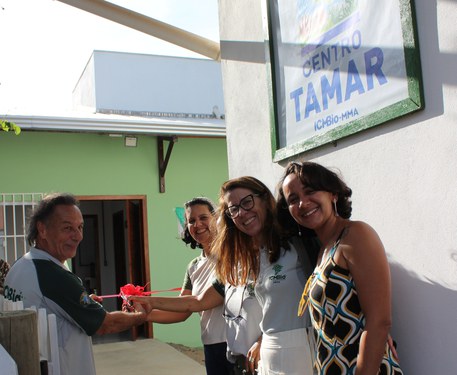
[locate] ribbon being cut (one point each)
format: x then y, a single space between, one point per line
135 290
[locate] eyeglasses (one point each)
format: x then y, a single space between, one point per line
247 203
238 317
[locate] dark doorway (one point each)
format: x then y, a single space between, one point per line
86 263
114 253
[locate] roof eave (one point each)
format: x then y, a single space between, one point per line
178 127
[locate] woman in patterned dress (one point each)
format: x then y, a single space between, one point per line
348 294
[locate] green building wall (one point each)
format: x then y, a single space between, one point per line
92 164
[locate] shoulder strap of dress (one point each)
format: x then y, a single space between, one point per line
337 242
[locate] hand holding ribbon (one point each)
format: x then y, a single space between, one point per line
133 290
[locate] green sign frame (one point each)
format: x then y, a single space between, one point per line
413 102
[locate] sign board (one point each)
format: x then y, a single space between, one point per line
340 67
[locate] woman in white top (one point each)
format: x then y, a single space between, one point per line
200 274
236 305
243 314
240 309
248 246
248 235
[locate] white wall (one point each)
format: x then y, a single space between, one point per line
403 174
138 82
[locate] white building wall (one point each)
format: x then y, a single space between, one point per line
139 82
403 173
245 85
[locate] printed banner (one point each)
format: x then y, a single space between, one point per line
336 62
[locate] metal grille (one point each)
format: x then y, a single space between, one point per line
15 211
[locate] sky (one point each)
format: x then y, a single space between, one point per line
46 44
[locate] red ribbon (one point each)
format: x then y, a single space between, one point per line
132 290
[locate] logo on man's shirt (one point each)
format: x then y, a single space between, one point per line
85 299
12 295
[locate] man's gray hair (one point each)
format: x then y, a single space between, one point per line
44 211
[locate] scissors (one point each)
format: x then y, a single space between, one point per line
126 304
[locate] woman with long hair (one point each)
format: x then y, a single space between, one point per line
249 246
238 307
249 236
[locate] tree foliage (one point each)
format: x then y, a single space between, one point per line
6 126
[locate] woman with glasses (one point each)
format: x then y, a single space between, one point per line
249 235
199 232
348 294
235 306
249 248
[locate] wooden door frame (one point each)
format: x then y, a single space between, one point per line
144 232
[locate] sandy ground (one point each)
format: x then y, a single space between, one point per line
143 356
196 354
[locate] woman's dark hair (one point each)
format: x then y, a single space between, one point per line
44 211
315 177
198 201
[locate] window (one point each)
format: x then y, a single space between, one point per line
15 211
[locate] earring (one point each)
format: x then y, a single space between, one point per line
299 230
334 206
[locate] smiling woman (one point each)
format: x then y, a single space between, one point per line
257 263
348 295
249 236
198 233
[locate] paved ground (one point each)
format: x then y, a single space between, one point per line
146 356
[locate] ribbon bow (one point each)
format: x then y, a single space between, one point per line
134 290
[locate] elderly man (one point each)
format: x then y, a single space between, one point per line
40 278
